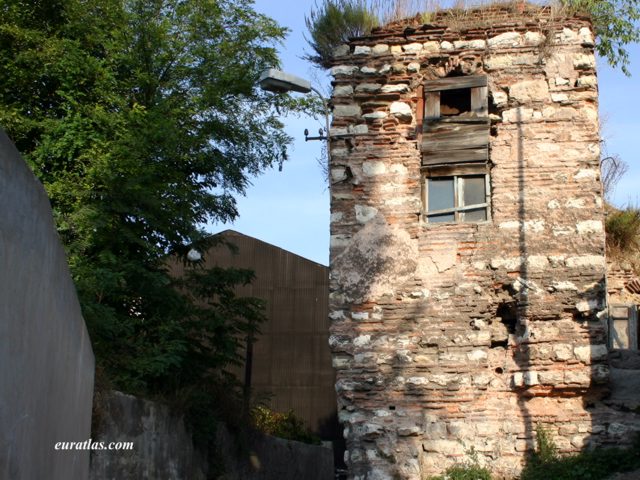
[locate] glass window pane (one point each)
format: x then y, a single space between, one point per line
440 192
448 217
479 215
473 190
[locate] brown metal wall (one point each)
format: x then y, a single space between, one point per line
291 358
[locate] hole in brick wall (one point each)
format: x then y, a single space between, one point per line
392 407
499 371
499 343
507 313
455 102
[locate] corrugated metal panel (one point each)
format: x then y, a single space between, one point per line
291 359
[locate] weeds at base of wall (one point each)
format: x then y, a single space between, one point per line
596 464
470 469
547 464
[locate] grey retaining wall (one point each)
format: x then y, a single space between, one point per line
163 449
46 360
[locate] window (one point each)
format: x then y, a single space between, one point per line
459 194
623 327
455 146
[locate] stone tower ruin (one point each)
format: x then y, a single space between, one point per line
467 242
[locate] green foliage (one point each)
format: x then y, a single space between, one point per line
616 24
623 230
283 425
333 23
469 470
143 120
589 465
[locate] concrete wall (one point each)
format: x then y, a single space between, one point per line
162 448
271 458
453 336
46 360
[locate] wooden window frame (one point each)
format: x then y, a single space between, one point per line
456 172
457 138
632 326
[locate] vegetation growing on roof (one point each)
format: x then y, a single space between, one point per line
333 23
616 22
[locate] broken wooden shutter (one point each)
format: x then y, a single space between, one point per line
458 138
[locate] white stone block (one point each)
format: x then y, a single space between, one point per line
343 70
534 38
431 46
378 115
586 261
412 47
401 110
342 90
368 87
361 50
395 88
470 44
346 111
530 91
380 49
587 81
589 226
361 340
374 167
584 61
365 213
507 39
360 315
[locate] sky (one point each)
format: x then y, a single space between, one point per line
290 209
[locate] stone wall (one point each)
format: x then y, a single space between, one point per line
459 336
163 448
46 385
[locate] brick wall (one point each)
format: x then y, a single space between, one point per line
453 336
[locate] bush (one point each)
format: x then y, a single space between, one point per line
546 464
469 470
333 24
283 425
623 229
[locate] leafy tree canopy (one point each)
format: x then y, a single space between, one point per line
143 120
616 24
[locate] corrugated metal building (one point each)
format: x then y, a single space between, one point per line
291 357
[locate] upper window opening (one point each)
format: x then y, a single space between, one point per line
455 146
455 102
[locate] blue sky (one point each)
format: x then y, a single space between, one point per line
290 209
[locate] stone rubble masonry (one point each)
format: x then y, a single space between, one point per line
452 337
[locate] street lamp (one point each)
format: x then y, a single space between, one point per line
273 80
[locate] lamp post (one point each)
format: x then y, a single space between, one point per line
273 80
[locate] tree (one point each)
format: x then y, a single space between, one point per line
616 24
143 120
